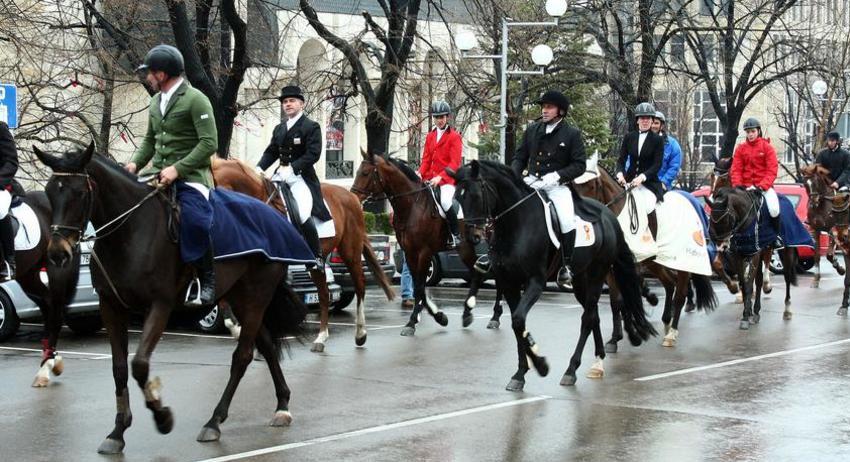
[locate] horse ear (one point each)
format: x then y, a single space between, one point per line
86 157
363 154
474 169
45 158
451 172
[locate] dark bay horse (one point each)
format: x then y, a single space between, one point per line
826 213
139 270
29 266
829 211
676 283
350 239
732 210
420 230
495 202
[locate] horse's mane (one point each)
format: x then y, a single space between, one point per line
114 166
500 169
402 165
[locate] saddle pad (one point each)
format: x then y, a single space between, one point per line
591 171
700 210
585 234
243 225
325 228
29 233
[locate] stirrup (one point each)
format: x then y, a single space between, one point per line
7 274
482 264
193 293
454 241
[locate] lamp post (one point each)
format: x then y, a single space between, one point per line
541 55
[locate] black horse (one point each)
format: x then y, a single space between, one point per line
137 269
497 203
733 210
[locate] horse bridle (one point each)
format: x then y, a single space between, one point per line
727 213
375 175
486 223
57 229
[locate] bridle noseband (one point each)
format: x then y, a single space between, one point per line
727 212
57 229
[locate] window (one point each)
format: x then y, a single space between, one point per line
677 48
708 45
707 129
706 7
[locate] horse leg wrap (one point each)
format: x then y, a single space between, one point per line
152 390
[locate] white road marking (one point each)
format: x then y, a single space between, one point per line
62 352
376 429
739 361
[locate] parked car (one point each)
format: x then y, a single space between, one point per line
299 278
799 197
383 251
82 316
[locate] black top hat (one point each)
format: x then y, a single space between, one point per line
291 91
555 97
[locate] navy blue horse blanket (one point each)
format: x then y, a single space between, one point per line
760 234
242 225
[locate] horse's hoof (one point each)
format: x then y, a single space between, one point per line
209 434
281 419
408 331
690 307
611 347
515 385
318 347
164 420
360 341
595 373
745 325
767 289
111 446
58 366
786 316
840 270
493 325
568 380
815 284
441 318
652 299
668 342
842 312
756 318
733 289
467 319
40 381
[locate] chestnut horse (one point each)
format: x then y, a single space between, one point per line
350 240
828 212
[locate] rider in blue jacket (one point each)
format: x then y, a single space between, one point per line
672 152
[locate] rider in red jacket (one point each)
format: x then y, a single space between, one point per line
754 166
443 148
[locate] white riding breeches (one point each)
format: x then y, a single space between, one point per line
302 195
562 197
201 189
447 193
5 203
645 197
772 201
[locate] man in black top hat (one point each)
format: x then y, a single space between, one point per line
297 144
835 159
550 157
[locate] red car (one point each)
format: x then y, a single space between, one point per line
798 196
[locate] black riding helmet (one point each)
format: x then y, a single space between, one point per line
833 135
163 58
557 98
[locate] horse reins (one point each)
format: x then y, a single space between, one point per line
740 225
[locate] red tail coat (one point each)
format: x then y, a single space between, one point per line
437 156
754 164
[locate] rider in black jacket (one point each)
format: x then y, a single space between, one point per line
8 168
836 160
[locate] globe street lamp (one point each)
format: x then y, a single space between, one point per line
541 55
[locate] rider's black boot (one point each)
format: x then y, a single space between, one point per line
568 244
777 225
451 218
311 235
652 220
7 244
205 267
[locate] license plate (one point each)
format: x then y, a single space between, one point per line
84 258
311 298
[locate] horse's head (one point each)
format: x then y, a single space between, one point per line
471 193
720 175
71 195
367 181
817 182
731 210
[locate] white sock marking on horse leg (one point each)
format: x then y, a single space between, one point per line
597 370
42 377
361 320
470 302
152 389
322 337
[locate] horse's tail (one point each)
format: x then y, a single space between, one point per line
377 271
705 297
285 315
626 276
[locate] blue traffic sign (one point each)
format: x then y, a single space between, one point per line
9 104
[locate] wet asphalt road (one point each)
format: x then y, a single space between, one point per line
780 391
